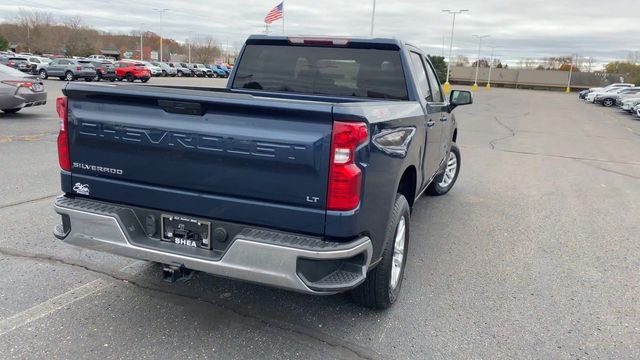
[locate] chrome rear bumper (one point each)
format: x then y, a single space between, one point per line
288 261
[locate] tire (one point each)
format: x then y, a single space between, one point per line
88 79
164 73
97 77
11 111
43 74
439 186
380 290
129 77
112 79
180 74
69 76
144 80
608 102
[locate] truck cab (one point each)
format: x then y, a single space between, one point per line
300 174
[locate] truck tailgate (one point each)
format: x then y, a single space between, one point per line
205 153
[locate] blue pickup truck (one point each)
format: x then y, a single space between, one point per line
301 174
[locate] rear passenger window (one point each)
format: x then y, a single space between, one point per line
421 76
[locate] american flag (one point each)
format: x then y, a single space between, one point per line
275 13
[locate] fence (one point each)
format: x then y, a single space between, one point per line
527 78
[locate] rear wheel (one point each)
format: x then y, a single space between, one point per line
607 102
43 74
447 178
164 73
382 286
69 76
180 74
144 80
11 111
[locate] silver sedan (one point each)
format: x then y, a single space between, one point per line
19 90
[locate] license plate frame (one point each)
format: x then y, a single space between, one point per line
186 231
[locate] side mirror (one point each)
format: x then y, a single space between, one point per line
459 98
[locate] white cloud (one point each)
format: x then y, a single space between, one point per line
532 28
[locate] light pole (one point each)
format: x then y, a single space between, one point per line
475 82
161 11
373 16
568 90
493 48
447 86
189 44
141 53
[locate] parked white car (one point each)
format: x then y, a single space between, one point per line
584 93
39 63
591 97
155 70
629 103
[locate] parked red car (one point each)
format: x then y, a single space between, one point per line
131 71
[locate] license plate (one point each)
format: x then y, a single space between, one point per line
186 231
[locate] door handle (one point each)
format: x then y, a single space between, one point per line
444 118
430 123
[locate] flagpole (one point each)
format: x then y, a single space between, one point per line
373 16
282 17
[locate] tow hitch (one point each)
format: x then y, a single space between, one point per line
173 273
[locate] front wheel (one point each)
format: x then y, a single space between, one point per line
144 80
180 74
382 286
608 102
444 181
129 77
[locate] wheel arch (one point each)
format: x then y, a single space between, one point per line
407 185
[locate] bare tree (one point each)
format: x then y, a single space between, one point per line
462 60
33 23
204 50
74 22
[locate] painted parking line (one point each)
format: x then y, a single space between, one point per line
56 303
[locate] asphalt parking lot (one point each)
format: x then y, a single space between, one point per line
534 254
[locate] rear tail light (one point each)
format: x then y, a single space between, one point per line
78 67
64 157
345 177
18 83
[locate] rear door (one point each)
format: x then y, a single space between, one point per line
438 105
54 68
432 156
